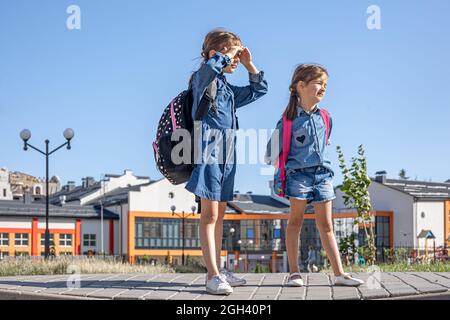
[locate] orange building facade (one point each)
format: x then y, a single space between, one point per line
135 251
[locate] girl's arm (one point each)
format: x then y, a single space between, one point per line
256 89
258 86
274 145
205 75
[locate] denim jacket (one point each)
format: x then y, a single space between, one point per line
308 142
228 97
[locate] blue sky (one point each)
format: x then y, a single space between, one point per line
109 81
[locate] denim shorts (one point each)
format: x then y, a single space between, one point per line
314 184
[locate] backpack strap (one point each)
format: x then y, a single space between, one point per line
172 115
207 100
326 119
285 149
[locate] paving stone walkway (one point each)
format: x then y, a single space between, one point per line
268 286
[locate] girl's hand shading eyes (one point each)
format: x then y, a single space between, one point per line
246 56
232 51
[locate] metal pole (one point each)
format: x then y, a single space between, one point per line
182 241
47 233
101 226
246 259
101 214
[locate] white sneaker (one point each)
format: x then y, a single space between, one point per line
347 280
231 278
217 285
295 280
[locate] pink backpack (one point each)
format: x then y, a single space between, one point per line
280 175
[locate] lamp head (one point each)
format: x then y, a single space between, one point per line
193 208
25 135
68 134
173 208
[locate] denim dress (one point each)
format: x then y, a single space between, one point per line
308 169
213 175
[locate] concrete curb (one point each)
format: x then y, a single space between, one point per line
17 295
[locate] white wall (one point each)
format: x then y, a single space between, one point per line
13 222
4 185
94 227
57 224
434 220
155 198
384 198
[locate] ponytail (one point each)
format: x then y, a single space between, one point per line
291 109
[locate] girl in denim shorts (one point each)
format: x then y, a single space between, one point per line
308 169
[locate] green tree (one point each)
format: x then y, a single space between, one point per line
356 196
323 254
402 174
348 249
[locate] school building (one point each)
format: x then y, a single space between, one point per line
73 228
146 220
421 210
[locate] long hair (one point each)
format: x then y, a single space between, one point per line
305 73
216 40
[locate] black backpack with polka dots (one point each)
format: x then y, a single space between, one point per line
178 115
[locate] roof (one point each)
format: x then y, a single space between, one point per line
110 175
79 192
76 194
117 196
256 204
427 234
18 208
420 189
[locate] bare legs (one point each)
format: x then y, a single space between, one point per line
219 231
294 227
324 224
211 231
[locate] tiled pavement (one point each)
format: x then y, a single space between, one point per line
268 286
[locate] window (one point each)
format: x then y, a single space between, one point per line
166 233
171 195
89 240
250 233
4 239
65 240
3 254
4 193
277 233
21 239
52 239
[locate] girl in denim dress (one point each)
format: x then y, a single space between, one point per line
308 169
213 176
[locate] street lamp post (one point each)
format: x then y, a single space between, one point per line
103 182
25 135
247 243
230 245
183 216
232 231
